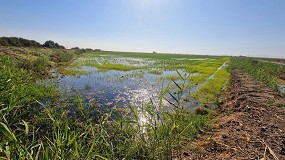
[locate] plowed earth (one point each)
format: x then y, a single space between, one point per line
251 124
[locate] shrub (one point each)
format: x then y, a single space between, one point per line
40 64
61 56
51 44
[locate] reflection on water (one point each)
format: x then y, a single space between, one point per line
115 88
113 59
125 88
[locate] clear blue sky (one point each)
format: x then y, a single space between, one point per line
223 27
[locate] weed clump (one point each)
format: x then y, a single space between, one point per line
40 64
61 56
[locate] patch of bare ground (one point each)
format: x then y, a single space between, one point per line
251 124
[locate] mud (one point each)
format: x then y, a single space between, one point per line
251 125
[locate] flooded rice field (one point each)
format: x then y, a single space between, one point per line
112 88
120 88
117 88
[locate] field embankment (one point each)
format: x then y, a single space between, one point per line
251 124
39 60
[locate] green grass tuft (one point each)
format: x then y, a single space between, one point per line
73 72
211 91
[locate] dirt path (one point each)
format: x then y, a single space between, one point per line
252 124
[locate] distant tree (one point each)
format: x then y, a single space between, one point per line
49 44
3 42
77 48
18 42
88 50
52 44
21 42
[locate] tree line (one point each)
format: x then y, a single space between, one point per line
21 42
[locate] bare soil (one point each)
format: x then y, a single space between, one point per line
251 125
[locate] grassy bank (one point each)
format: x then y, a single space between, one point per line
268 73
39 60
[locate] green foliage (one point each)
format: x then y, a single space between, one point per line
40 64
38 60
52 44
73 72
61 56
157 72
213 89
21 42
18 42
18 96
262 71
17 87
173 78
205 69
